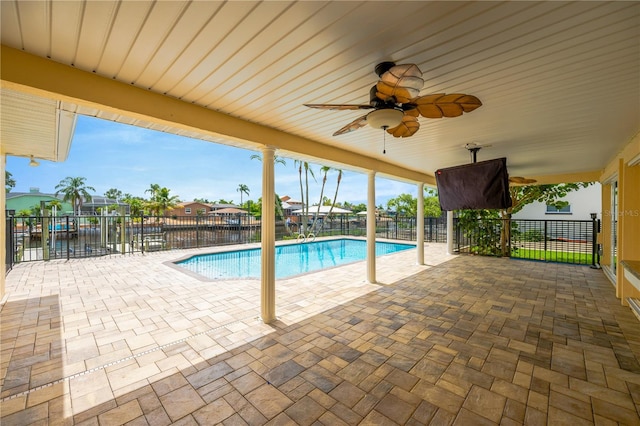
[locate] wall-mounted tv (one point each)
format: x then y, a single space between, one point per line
481 185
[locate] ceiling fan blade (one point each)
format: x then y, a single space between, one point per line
408 127
339 106
521 180
402 82
441 105
354 125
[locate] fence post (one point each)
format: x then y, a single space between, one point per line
509 236
594 241
10 245
142 232
68 235
197 233
545 239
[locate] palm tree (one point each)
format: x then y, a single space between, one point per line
55 203
114 193
324 170
335 195
74 190
304 191
136 205
276 160
9 182
162 201
153 190
242 189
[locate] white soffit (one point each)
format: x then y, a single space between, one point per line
33 125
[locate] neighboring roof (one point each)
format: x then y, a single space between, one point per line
228 210
32 194
191 203
323 210
98 200
222 206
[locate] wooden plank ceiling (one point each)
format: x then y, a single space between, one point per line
559 81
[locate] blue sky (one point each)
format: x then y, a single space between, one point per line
113 155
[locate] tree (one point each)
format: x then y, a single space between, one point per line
407 204
153 190
431 204
335 195
278 202
355 208
527 194
9 182
136 204
163 200
403 205
242 189
521 195
74 190
55 203
304 190
324 170
114 194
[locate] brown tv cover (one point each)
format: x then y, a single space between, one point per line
481 185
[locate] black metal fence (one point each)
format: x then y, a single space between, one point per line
9 243
44 238
566 241
391 227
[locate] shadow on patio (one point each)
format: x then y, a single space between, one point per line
471 340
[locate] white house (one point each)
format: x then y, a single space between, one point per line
582 203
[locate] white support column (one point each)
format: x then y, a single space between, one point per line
268 233
371 228
450 232
3 225
420 225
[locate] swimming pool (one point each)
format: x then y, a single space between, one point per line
291 259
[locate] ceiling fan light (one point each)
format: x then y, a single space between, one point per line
386 118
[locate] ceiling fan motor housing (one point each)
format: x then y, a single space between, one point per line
376 102
383 67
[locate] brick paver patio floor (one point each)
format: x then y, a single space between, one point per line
461 340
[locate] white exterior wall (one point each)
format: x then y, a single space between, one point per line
583 202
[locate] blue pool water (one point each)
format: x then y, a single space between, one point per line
291 259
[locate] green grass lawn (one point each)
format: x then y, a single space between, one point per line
553 256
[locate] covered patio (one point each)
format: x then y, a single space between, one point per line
418 338
461 340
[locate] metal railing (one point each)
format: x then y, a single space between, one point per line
45 238
9 243
71 237
565 241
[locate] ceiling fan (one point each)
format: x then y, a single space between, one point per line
521 180
396 103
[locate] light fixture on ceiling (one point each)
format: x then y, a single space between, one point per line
385 118
33 162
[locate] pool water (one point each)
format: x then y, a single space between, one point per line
291 259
